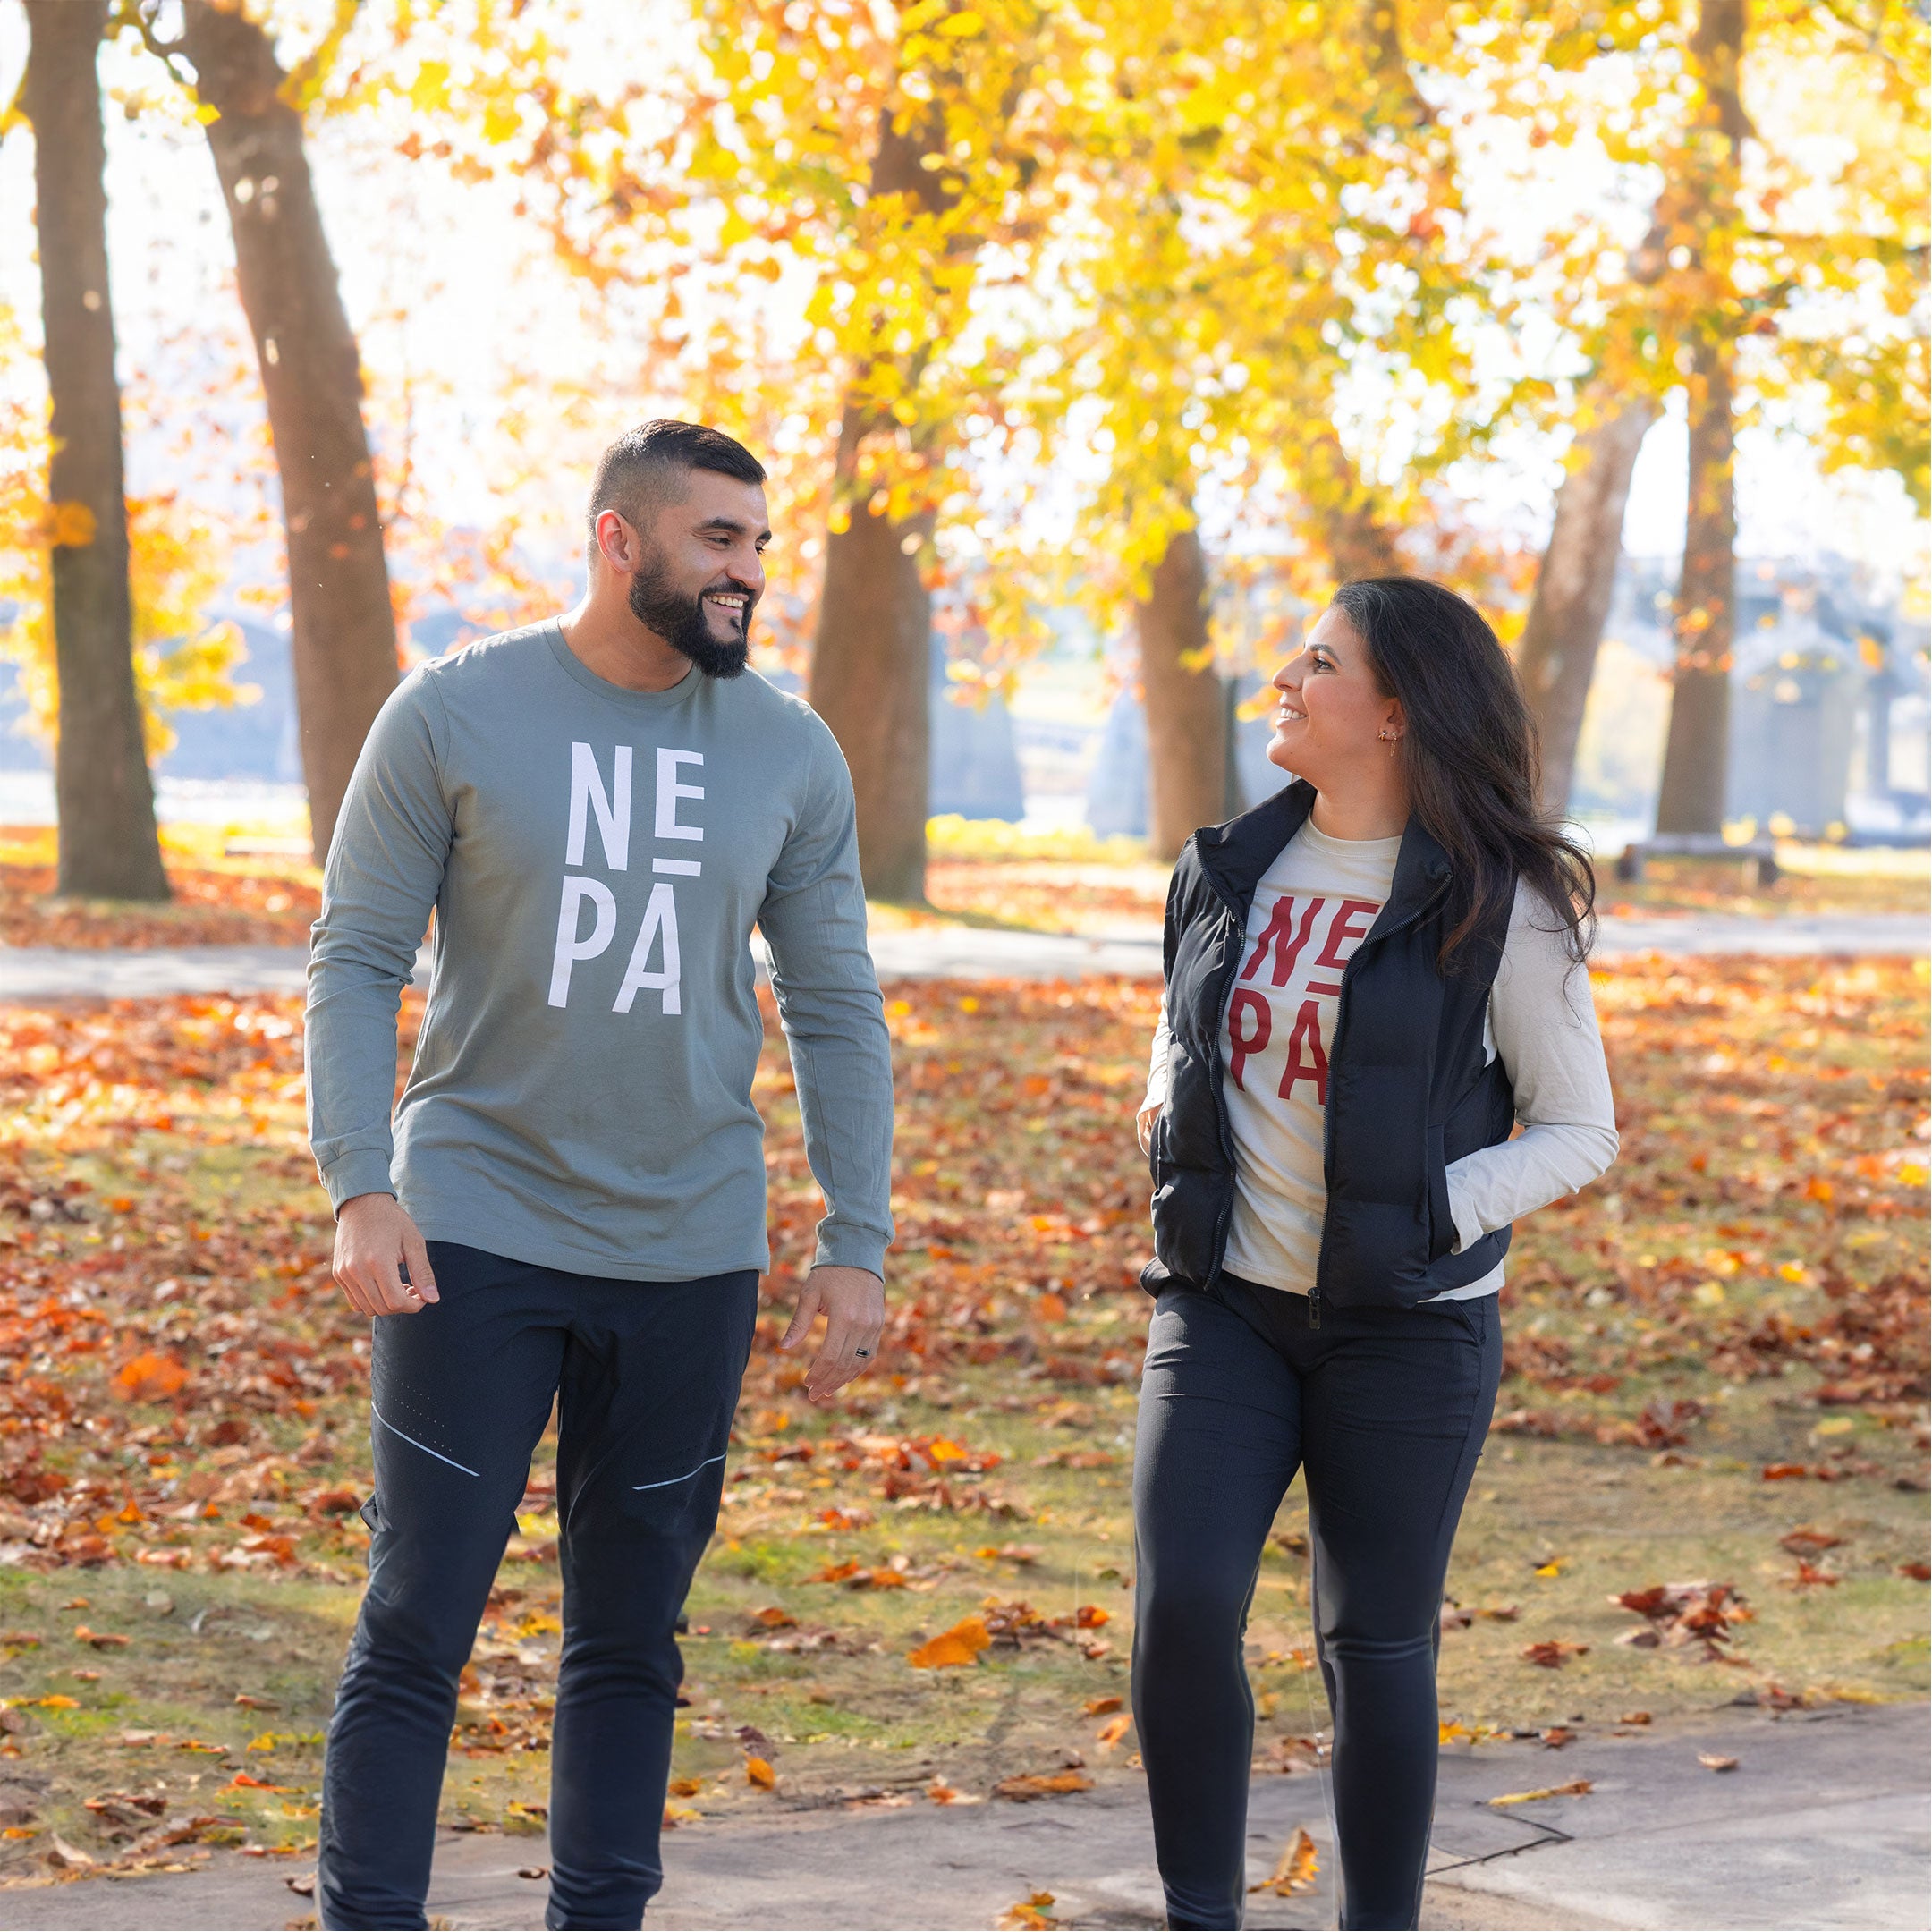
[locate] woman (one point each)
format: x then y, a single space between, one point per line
1372 978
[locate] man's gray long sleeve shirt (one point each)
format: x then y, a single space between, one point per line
596 858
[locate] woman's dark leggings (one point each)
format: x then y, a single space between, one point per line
1386 1410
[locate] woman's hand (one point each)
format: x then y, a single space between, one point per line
1144 1126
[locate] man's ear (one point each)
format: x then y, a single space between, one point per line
617 541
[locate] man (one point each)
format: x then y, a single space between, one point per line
570 1203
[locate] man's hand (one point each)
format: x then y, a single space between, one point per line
852 1302
375 1242
1144 1125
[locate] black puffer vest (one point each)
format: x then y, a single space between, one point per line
1409 1090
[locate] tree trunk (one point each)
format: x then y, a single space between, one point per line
871 667
109 847
1557 658
344 633
871 674
1342 515
1691 795
1186 714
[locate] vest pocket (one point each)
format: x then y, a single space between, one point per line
1442 1227
1160 1166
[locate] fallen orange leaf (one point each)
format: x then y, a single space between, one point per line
149 1378
1100 1706
1295 1871
1028 1915
1042 1785
1113 1730
1553 1652
758 1771
1575 1788
960 1644
1808 1540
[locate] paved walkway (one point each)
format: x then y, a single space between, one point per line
1823 1824
29 973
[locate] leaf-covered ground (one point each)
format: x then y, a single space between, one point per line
1051 893
1815 879
265 899
1717 1377
1068 884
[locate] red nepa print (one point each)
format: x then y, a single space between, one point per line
1298 960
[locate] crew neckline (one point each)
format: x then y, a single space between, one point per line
1313 831
574 667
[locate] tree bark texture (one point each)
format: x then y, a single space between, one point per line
1342 515
109 847
1691 795
871 667
871 672
1557 657
343 625
1186 707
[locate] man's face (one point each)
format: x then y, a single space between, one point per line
703 570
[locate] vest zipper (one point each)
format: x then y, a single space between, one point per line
1314 1308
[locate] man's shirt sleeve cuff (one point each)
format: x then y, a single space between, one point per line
363 1171
849 1247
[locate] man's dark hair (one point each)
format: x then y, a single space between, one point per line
645 467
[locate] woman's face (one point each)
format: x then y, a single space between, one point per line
1332 716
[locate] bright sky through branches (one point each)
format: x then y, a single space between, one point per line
495 373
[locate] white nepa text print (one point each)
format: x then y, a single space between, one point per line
601 814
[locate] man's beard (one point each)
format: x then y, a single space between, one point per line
681 622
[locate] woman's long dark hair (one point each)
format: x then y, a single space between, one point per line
1470 758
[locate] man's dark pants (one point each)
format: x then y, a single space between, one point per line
646 1378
